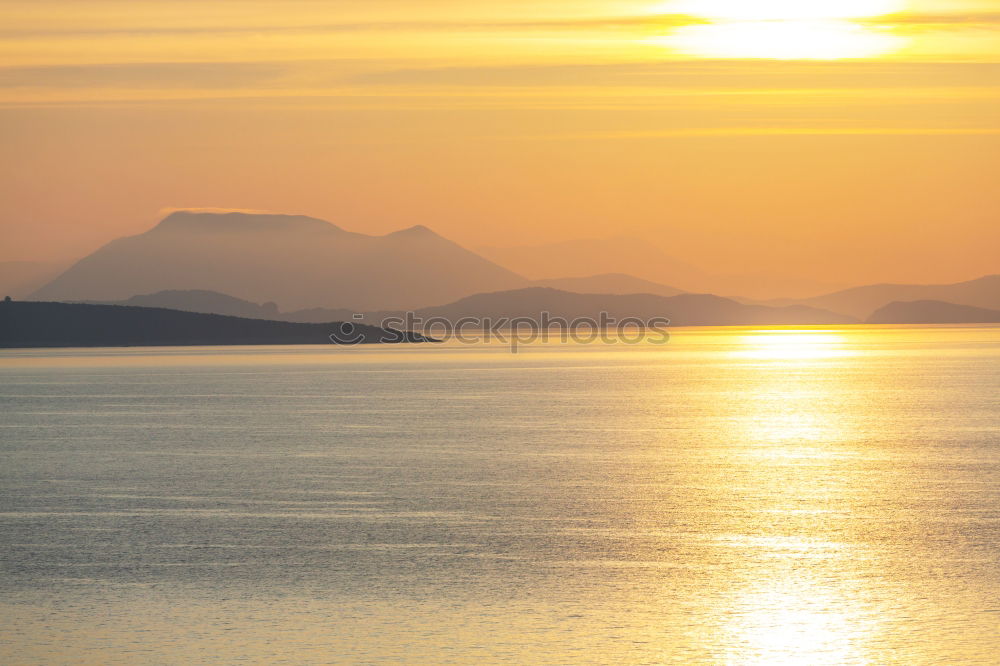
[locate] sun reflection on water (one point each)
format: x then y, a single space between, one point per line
793 401
792 593
792 345
795 622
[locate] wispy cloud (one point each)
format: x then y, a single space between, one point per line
772 131
640 21
590 23
387 78
991 19
700 74
202 75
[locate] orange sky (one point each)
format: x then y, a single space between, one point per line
841 146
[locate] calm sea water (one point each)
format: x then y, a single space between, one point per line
736 496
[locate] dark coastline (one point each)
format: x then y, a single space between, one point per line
29 324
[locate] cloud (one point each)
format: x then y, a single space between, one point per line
773 131
206 75
389 84
990 19
607 22
703 74
632 22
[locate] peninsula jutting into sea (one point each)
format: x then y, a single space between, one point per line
33 324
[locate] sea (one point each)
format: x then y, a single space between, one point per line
734 496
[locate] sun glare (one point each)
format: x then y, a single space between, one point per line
797 624
791 345
782 29
805 40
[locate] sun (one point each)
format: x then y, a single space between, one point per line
782 29
782 40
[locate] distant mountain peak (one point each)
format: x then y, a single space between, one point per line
300 262
416 231
236 221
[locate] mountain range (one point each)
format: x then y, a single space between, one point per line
617 255
862 302
680 309
206 302
937 312
609 283
647 262
297 261
309 270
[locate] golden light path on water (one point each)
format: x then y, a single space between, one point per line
793 603
783 29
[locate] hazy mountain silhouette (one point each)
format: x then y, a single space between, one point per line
296 261
644 260
682 310
630 256
609 283
20 278
35 324
213 302
933 312
692 309
861 302
753 288
318 315
201 300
